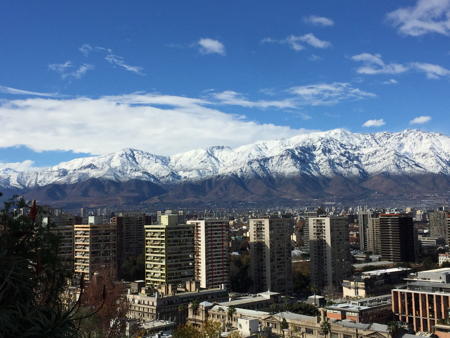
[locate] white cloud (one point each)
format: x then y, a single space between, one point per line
162 124
420 119
319 20
211 46
426 16
431 71
374 64
297 42
86 49
390 82
68 70
230 97
15 91
19 166
374 123
61 67
329 93
120 62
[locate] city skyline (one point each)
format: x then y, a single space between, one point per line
210 73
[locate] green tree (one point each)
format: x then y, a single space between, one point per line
32 277
187 331
325 327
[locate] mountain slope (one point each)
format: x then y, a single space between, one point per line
326 166
323 154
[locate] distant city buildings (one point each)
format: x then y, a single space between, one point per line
270 252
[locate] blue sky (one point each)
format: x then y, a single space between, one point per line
91 77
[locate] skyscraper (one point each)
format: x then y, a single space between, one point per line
212 261
438 224
364 222
130 236
270 252
373 236
329 251
397 238
95 248
169 251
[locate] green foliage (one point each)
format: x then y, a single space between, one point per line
32 278
325 327
186 331
239 276
301 308
211 329
133 268
302 284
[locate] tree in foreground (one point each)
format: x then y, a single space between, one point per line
34 281
32 277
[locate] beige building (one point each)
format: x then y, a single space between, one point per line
169 252
212 260
270 252
168 303
95 248
373 236
282 324
329 252
62 225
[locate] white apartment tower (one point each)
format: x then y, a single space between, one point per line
95 248
329 252
169 252
211 252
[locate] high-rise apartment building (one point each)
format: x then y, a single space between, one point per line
373 236
130 236
329 252
438 225
270 252
95 248
169 251
364 223
212 261
62 225
398 238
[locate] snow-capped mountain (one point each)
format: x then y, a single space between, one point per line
321 154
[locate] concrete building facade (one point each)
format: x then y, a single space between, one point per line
329 252
169 251
95 249
398 239
211 252
424 301
270 252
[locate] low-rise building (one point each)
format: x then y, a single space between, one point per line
373 283
171 304
425 300
368 310
283 324
443 258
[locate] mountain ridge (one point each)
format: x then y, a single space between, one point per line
326 154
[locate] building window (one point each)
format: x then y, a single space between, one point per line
309 331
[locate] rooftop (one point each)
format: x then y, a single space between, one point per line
384 271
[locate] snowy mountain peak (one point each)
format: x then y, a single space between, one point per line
325 154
